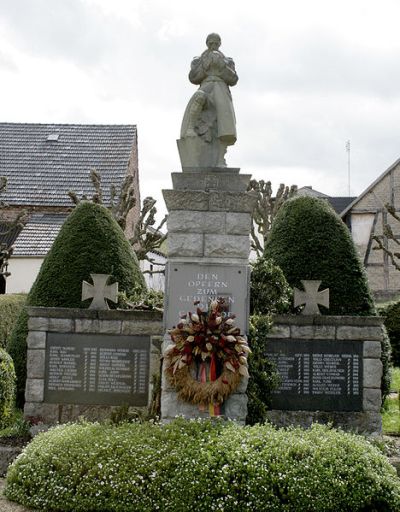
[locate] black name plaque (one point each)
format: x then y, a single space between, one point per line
97 369
317 375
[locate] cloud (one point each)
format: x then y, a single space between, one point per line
64 29
312 74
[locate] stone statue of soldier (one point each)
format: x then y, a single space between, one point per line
209 124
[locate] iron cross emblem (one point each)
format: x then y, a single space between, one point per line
311 297
100 291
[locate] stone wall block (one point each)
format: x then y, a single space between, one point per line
236 407
351 332
139 328
49 413
84 325
38 323
71 412
372 349
155 364
238 223
196 222
214 222
186 200
362 422
279 331
156 343
110 326
226 246
34 391
313 331
166 386
232 202
185 244
36 339
171 407
243 385
372 399
207 179
60 325
185 221
372 373
36 363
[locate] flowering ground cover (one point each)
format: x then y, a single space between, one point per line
197 465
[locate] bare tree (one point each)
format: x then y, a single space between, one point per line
8 227
266 208
146 238
388 234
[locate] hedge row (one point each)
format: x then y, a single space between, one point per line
190 466
391 315
7 388
10 307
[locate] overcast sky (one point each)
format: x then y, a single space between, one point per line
312 75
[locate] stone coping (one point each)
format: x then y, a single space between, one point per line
361 321
211 170
110 314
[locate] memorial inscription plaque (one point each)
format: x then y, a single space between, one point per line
97 369
188 282
317 375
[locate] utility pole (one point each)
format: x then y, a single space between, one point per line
348 164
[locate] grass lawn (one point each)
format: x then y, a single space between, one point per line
391 410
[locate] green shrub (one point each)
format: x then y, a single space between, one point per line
7 388
269 290
263 375
17 348
10 307
309 241
269 293
17 429
391 315
90 241
190 466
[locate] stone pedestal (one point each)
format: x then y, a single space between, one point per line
208 249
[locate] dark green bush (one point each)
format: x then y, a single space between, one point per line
269 294
10 307
7 388
391 315
269 290
263 375
90 241
191 466
309 241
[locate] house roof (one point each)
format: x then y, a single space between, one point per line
44 161
38 234
338 203
8 234
368 189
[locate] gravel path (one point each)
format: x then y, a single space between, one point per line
9 506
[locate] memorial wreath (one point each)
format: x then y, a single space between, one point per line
207 357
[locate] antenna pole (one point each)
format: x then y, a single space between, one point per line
348 164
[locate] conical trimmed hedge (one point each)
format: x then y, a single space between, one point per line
309 241
90 241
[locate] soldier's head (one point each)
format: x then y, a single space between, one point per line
213 41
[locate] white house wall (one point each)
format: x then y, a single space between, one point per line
368 217
154 281
23 274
